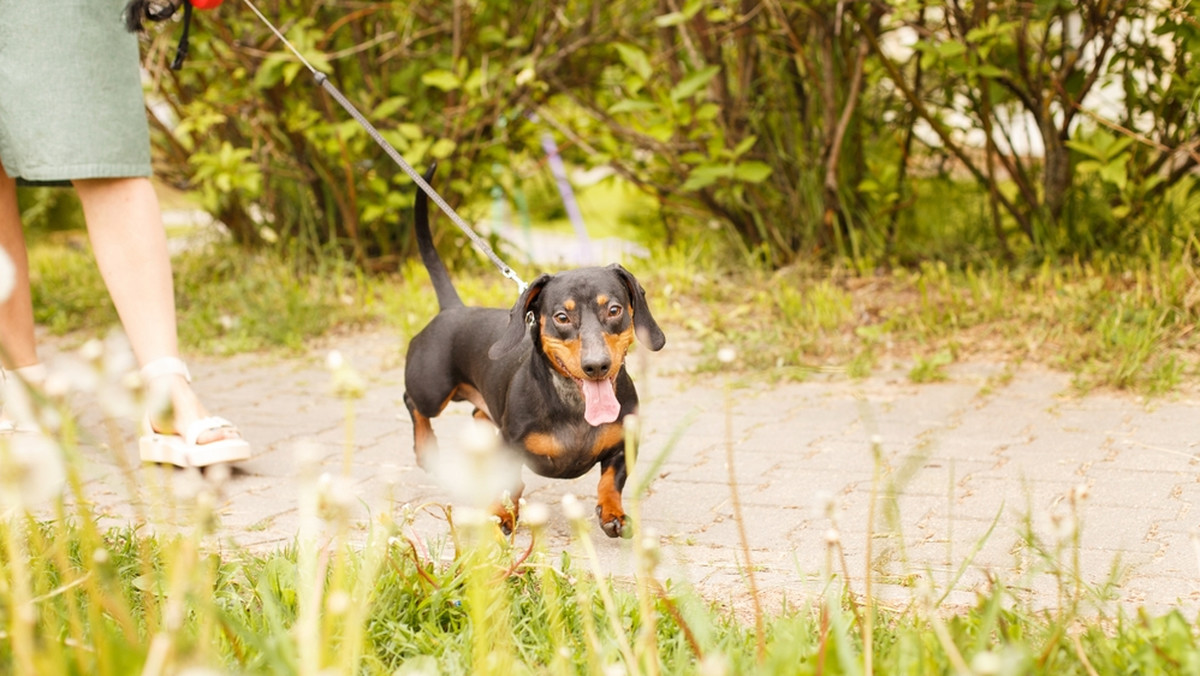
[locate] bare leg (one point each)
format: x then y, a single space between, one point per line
130 244
17 343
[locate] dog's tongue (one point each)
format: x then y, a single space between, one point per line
600 402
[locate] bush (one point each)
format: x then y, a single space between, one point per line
803 129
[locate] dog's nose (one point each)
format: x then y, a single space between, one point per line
597 367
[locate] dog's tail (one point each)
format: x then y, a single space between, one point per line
447 296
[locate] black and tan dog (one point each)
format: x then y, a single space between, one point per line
550 372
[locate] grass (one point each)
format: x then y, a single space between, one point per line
1127 324
169 595
228 301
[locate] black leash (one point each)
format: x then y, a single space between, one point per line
182 50
323 80
137 10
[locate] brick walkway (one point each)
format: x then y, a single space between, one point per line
989 449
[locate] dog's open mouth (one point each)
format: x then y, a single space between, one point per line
600 403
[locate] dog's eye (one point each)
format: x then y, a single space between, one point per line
615 311
561 318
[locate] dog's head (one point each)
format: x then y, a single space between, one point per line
584 321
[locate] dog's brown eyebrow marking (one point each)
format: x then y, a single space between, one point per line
602 299
569 304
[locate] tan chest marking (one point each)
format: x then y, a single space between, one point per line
548 445
545 445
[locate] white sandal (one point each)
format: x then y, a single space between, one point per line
13 387
182 450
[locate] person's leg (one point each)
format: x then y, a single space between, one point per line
16 313
130 244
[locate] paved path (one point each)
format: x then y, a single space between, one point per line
992 445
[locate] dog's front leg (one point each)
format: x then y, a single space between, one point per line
608 504
508 508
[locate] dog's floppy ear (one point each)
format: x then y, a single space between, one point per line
516 328
643 322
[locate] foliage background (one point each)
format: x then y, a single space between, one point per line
884 132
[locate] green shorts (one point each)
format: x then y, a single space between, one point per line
71 102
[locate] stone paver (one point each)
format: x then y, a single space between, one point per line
962 473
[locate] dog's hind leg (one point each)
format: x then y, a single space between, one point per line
424 440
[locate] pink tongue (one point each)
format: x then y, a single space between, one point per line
600 402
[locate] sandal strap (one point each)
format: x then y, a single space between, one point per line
209 424
166 366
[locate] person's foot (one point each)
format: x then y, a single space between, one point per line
184 410
181 432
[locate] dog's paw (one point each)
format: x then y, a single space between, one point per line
507 526
615 525
506 518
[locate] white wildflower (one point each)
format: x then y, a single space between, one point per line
32 472
348 383
632 425
474 471
535 514
338 602
334 360
57 385
832 536
1062 526
714 664
336 496
480 438
985 663
92 350
572 508
651 548
14 397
